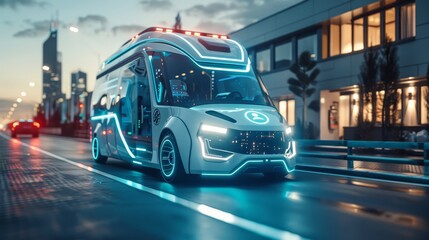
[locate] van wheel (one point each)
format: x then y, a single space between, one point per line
170 162
13 135
95 149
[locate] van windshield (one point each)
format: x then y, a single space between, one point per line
180 82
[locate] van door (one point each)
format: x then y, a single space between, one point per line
143 118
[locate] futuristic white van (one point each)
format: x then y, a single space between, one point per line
187 103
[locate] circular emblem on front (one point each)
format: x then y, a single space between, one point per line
256 117
156 116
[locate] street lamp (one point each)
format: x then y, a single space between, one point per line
74 29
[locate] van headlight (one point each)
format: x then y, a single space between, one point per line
205 136
288 131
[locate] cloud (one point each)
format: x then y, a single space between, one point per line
210 10
96 22
127 29
254 10
235 14
14 4
156 4
37 29
213 27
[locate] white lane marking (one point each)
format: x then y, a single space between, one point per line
365 178
223 216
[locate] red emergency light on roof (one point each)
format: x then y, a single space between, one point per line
187 32
169 30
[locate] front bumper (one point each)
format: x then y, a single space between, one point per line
240 164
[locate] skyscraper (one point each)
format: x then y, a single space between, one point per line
51 76
78 91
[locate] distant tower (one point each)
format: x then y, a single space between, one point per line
78 91
51 74
178 24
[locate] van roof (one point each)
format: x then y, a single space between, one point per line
208 49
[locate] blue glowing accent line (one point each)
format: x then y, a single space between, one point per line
214 58
137 162
235 171
284 163
158 40
141 149
95 140
112 115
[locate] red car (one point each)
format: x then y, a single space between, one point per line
24 127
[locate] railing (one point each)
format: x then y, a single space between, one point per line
413 153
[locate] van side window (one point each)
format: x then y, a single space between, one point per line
160 83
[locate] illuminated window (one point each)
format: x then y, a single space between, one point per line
358 34
283 55
373 30
424 116
408 21
287 110
390 24
308 43
263 61
346 37
335 39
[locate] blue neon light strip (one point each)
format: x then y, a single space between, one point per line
250 161
137 162
112 115
182 50
235 171
284 163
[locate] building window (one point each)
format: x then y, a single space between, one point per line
334 44
390 23
373 30
358 34
408 21
283 55
287 110
346 37
308 43
424 119
263 60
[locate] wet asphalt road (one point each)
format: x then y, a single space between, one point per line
51 189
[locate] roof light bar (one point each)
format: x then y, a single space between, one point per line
169 30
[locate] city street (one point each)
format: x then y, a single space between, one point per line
51 189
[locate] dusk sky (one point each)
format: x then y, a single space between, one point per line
103 26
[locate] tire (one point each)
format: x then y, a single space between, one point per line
13 135
170 163
35 135
95 149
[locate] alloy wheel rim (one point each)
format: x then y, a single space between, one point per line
95 148
168 158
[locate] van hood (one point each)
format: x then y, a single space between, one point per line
254 116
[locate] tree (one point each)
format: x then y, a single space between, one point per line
303 85
389 78
368 85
